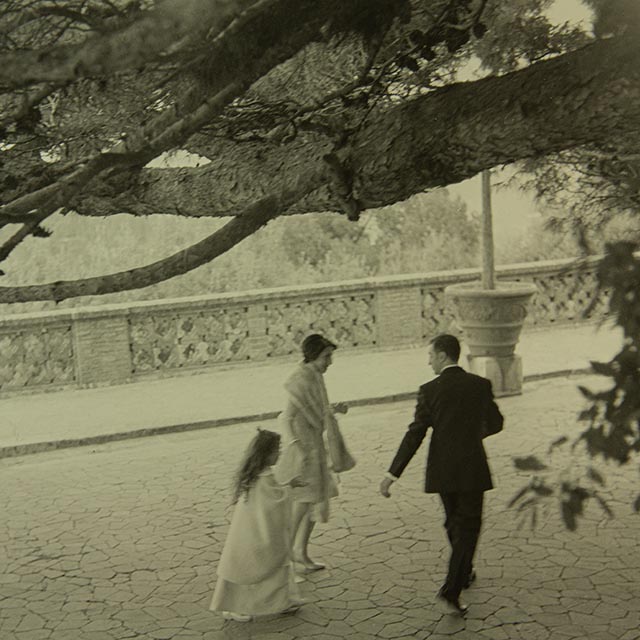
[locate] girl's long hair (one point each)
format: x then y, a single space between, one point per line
255 461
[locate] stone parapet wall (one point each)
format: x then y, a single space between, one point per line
120 343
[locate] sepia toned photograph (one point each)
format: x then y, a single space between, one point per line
319 319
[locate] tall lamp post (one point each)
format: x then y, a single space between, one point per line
491 313
488 266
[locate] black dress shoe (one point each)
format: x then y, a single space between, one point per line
470 579
452 604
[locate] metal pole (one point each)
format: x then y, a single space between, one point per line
488 269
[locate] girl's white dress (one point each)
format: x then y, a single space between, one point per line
255 576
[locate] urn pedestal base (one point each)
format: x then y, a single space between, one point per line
491 321
504 372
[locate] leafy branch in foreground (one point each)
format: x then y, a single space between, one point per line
613 413
570 493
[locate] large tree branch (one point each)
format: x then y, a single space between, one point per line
237 175
47 199
242 226
588 96
250 53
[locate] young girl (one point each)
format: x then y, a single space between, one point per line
254 574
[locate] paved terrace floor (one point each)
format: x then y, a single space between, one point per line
122 540
40 421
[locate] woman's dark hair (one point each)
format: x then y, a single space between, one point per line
314 345
448 345
256 459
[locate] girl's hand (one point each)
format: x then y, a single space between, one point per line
341 407
297 482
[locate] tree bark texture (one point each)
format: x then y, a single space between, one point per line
589 96
219 242
241 55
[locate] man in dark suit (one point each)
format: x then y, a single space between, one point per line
460 408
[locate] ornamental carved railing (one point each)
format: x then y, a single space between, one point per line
122 343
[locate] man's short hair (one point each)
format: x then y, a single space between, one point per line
447 344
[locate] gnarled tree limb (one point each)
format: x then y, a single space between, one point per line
589 96
242 226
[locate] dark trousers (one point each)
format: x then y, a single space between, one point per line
463 511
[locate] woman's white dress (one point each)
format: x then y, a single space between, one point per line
254 573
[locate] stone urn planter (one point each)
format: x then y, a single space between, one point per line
491 320
491 313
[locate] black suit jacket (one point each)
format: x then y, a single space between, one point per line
461 409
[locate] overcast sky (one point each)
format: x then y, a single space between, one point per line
514 209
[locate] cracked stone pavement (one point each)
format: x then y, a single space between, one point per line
121 541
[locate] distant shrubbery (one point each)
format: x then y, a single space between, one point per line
429 232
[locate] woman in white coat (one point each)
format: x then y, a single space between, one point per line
307 420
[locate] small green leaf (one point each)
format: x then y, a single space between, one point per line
557 443
588 414
542 490
580 494
568 516
530 463
518 496
587 393
594 475
527 503
602 368
603 504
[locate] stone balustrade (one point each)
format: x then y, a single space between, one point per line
122 343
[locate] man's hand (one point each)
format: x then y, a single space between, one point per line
385 485
341 407
298 482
